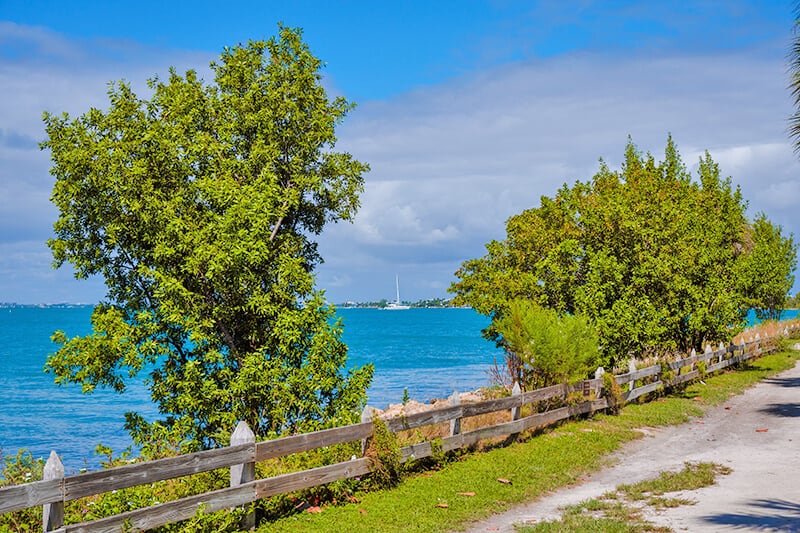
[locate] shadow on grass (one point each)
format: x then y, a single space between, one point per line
774 515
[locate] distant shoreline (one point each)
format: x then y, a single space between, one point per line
64 305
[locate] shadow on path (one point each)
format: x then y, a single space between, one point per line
785 517
786 410
783 382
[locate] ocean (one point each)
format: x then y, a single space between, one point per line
429 352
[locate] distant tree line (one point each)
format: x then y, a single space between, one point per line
383 303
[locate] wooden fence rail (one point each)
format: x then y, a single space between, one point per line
241 457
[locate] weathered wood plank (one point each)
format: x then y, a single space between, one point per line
538 395
639 374
418 451
444 414
719 366
34 494
705 357
685 377
425 418
490 406
518 426
641 391
677 365
169 512
311 441
311 478
152 471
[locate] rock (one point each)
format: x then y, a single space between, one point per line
412 406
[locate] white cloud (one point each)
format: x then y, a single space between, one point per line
451 162
42 71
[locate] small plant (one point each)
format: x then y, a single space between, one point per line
701 369
574 398
385 457
16 470
667 374
406 397
612 392
544 347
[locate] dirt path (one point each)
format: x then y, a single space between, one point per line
762 493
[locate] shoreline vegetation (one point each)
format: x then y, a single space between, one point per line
429 303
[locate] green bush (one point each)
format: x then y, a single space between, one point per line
18 469
551 348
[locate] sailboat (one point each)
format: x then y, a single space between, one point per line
396 305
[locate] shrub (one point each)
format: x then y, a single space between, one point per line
551 348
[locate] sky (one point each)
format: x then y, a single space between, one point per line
467 112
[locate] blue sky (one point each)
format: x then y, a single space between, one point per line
468 111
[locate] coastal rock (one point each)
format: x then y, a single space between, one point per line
412 406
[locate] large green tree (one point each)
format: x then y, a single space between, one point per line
652 257
199 207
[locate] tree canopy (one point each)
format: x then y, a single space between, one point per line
199 207
656 260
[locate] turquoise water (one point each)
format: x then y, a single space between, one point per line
431 352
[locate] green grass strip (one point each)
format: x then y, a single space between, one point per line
442 501
613 512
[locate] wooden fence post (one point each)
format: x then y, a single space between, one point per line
245 472
598 374
366 416
455 423
516 391
53 513
632 369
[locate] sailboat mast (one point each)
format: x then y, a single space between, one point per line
397 287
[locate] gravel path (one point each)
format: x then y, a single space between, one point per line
757 434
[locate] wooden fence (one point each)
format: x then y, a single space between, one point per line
243 453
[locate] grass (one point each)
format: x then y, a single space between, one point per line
622 510
473 486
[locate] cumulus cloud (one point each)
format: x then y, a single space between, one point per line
450 162
43 71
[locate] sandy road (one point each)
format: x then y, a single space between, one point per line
761 494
